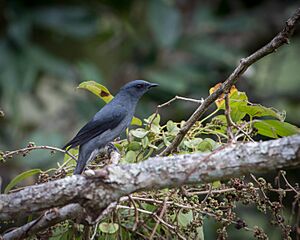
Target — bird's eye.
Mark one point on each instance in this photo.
(139, 86)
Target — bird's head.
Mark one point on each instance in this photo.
(137, 88)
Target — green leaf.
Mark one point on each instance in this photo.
(207, 145)
(20, 178)
(185, 218)
(155, 129)
(154, 119)
(257, 110)
(149, 207)
(134, 146)
(145, 142)
(139, 132)
(172, 128)
(166, 141)
(98, 89)
(109, 228)
(236, 101)
(193, 143)
(130, 157)
(236, 114)
(275, 128)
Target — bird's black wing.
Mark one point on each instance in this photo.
(103, 120)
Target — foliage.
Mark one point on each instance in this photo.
(184, 213)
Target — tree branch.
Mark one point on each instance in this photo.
(280, 39)
(89, 196)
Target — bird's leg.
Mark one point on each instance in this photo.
(107, 154)
(111, 147)
(113, 153)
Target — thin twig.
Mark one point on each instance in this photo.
(228, 119)
(136, 213)
(147, 212)
(28, 149)
(259, 185)
(162, 212)
(95, 231)
(208, 193)
(282, 173)
(180, 98)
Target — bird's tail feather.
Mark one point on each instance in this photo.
(80, 163)
(79, 169)
(85, 156)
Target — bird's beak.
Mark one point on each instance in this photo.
(152, 85)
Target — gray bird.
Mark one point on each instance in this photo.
(108, 123)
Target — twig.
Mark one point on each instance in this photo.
(28, 149)
(261, 189)
(208, 193)
(171, 227)
(95, 231)
(240, 129)
(181, 206)
(169, 102)
(228, 119)
(162, 212)
(280, 39)
(231, 123)
(180, 98)
(136, 213)
(148, 212)
(282, 173)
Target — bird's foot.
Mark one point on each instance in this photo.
(111, 147)
(113, 153)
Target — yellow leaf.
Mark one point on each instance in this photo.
(98, 89)
(136, 121)
(220, 101)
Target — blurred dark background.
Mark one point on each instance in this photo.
(48, 47)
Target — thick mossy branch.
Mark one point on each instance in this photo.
(114, 181)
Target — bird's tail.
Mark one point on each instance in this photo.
(81, 162)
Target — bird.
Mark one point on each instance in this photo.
(108, 123)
